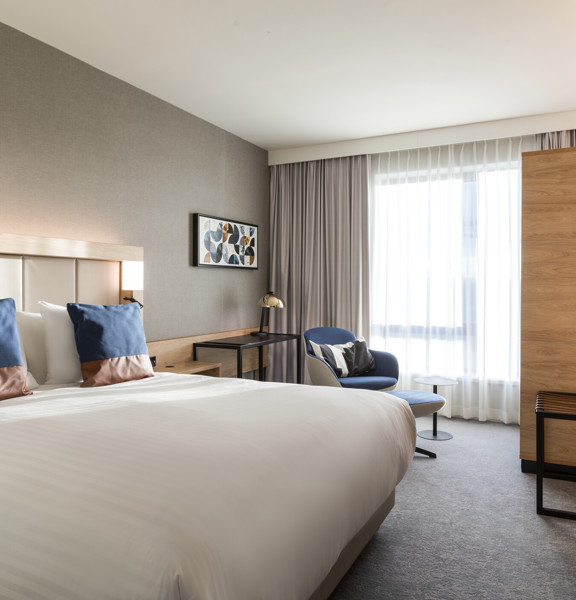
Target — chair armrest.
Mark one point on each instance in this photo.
(386, 364)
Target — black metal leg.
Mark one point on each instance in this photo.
(298, 360)
(434, 434)
(539, 463)
(435, 416)
(542, 472)
(239, 363)
(194, 352)
(425, 452)
(261, 363)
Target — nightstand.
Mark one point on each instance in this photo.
(191, 367)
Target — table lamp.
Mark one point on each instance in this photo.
(268, 301)
(132, 281)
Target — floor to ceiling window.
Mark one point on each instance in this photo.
(445, 269)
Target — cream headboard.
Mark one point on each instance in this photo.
(61, 271)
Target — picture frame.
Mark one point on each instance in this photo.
(221, 242)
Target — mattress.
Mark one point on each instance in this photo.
(190, 487)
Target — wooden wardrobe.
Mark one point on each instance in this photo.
(548, 317)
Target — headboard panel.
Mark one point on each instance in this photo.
(98, 279)
(60, 271)
(47, 278)
(11, 278)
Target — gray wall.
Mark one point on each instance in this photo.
(86, 156)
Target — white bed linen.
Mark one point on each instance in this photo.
(183, 486)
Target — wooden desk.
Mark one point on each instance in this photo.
(245, 342)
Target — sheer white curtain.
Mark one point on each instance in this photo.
(445, 270)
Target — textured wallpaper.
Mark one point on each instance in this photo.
(84, 155)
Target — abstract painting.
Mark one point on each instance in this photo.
(219, 242)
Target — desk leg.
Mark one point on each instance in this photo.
(298, 361)
(194, 352)
(239, 363)
(261, 363)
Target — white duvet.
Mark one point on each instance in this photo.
(189, 487)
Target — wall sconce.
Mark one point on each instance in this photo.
(132, 281)
(268, 301)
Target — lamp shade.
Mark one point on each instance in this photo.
(132, 275)
(270, 300)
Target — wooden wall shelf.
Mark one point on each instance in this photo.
(178, 351)
(191, 367)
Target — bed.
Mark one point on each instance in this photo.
(190, 487)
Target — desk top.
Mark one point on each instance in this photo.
(248, 341)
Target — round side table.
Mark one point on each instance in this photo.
(435, 381)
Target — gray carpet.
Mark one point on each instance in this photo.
(465, 526)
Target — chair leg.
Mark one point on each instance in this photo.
(425, 452)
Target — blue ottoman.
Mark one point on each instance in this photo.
(422, 404)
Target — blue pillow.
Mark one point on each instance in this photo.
(111, 343)
(12, 369)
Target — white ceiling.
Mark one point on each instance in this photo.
(289, 73)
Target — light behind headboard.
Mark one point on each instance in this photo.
(60, 271)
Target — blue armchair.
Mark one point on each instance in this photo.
(384, 375)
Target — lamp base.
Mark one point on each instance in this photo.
(263, 322)
(128, 296)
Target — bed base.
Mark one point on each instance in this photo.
(352, 550)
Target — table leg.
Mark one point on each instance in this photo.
(539, 463)
(298, 360)
(435, 417)
(239, 363)
(261, 363)
(434, 434)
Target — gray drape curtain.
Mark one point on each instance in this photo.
(319, 261)
(558, 139)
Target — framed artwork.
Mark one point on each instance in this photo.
(219, 242)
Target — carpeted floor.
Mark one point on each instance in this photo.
(465, 527)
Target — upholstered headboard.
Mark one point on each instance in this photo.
(60, 271)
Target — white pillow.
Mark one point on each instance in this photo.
(62, 361)
(30, 380)
(31, 331)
